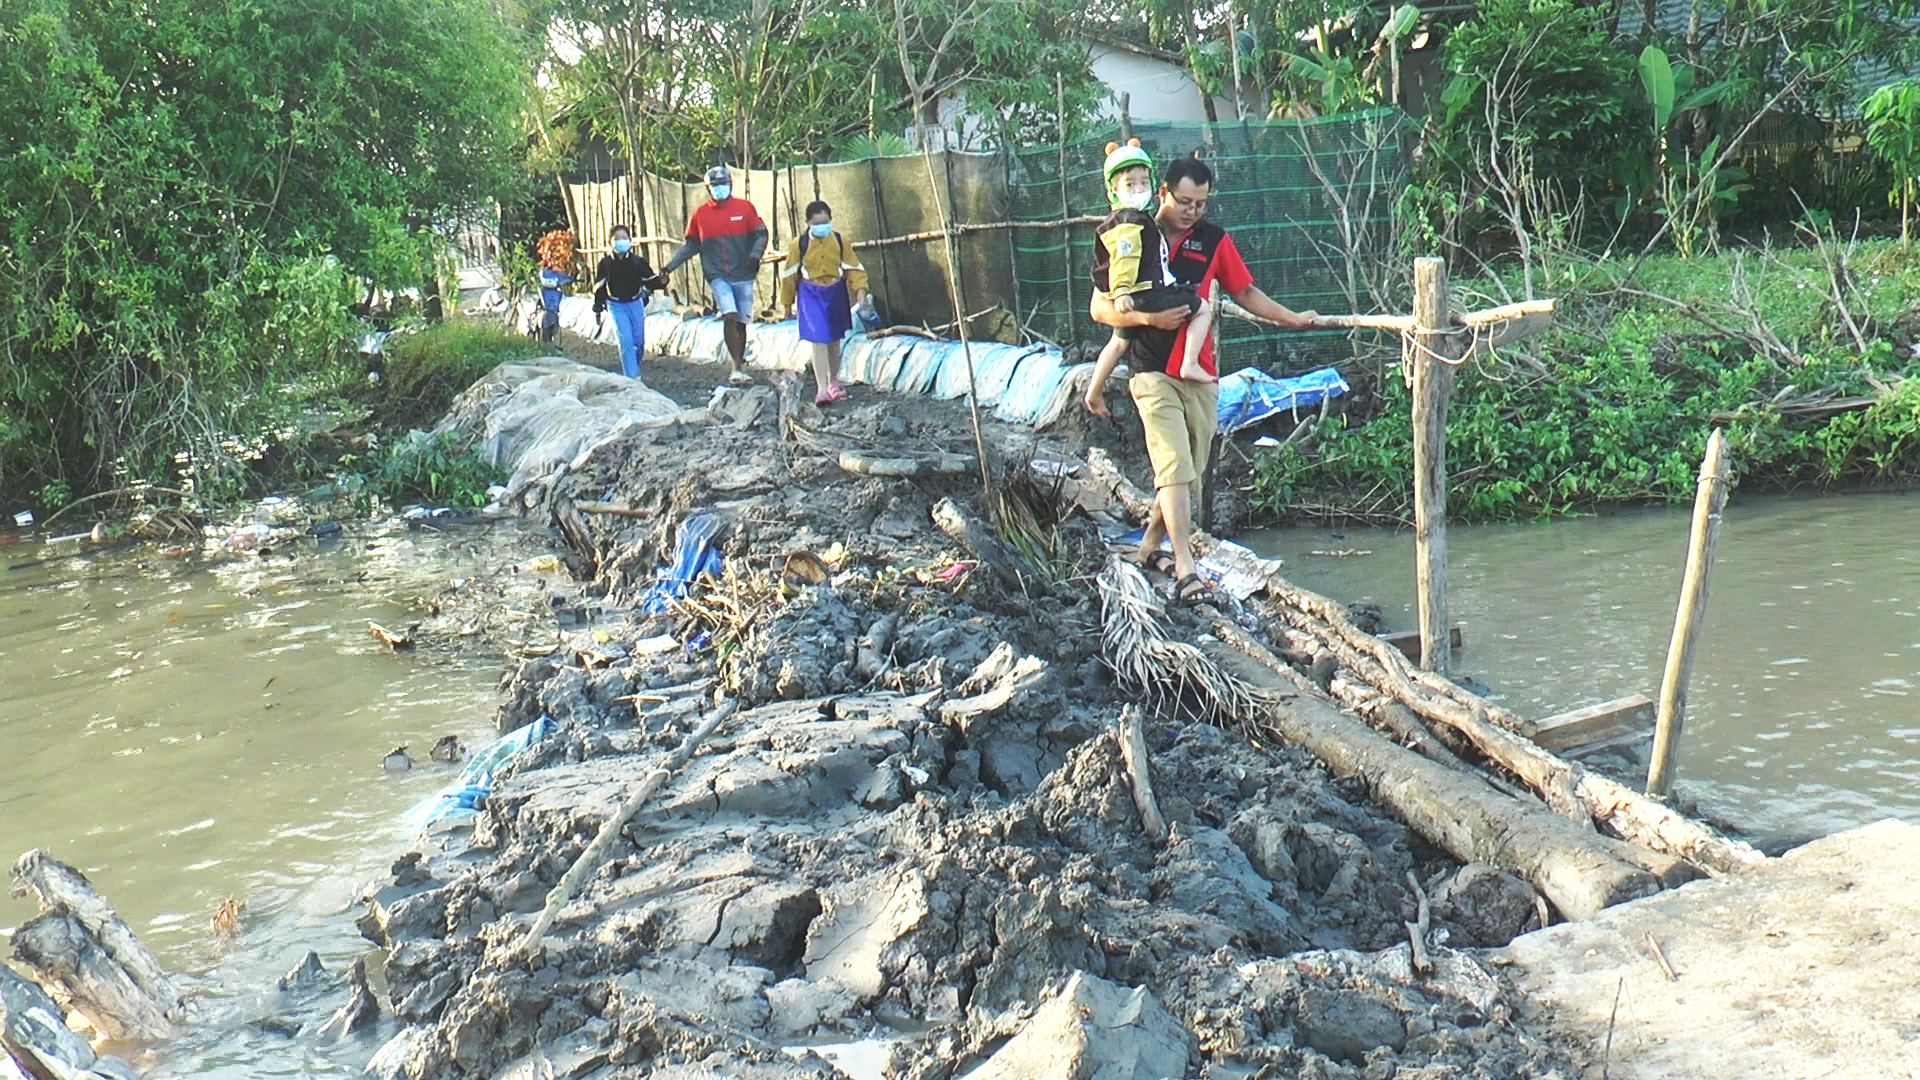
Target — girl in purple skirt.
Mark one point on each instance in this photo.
(824, 279)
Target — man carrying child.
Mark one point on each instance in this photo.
(1174, 382)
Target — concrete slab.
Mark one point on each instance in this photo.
(1800, 969)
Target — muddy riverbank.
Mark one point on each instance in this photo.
(914, 845)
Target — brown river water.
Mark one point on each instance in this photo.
(189, 730)
(185, 731)
(1804, 709)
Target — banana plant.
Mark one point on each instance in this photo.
(1892, 114)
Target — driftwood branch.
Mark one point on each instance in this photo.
(984, 545)
(1133, 752)
(1417, 929)
(596, 852)
(1497, 733)
(79, 947)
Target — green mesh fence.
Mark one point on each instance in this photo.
(1297, 196)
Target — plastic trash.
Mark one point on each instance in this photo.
(656, 644)
(466, 796)
(455, 803)
(865, 315)
(1046, 467)
(1250, 395)
(481, 767)
(250, 537)
(23, 519)
(693, 555)
(1236, 569)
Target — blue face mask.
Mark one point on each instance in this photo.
(622, 245)
(821, 230)
(722, 192)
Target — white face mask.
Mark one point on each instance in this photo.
(1138, 200)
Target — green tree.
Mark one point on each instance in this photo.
(194, 193)
(1892, 114)
(681, 84)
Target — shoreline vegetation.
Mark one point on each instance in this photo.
(1805, 356)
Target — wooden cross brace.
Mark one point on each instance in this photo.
(1488, 328)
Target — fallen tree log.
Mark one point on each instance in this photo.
(981, 542)
(1452, 808)
(79, 947)
(1613, 806)
(865, 463)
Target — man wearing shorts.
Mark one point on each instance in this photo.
(1180, 415)
(728, 235)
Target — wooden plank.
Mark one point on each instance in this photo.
(1408, 641)
(1609, 720)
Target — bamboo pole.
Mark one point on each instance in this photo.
(1066, 209)
(1708, 502)
(1432, 383)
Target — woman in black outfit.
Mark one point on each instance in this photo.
(621, 285)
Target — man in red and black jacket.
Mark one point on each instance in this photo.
(1180, 415)
(728, 235)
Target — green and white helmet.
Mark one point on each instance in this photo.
(1120, 157)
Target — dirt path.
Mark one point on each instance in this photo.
(917, 830)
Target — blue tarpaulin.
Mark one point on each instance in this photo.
(1249, 396)
(693, 555)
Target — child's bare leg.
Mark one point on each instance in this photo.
(1110, 353)
(1198, 329)
(822, 367)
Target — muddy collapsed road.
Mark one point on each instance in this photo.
(910, 847)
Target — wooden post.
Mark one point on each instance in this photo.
(1708, 501)
(1432, 384)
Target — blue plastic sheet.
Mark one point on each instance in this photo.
(693, 555)
(1032, 385)
(1249, 396)
(994, 366)
(465, 796)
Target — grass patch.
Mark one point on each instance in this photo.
(437, 470)
(426, 370)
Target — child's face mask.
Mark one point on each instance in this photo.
(1133, 190)
(821, 229)
(622, 245)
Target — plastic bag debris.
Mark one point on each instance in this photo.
(693, 555)
(466, 796)
(1250, 395)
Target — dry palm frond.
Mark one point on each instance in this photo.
(226, 918)
(731, 608)
(1174, 676)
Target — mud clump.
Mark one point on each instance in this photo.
(917, 829)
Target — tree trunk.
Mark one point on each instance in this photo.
(79, 947)
(1460, 813)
